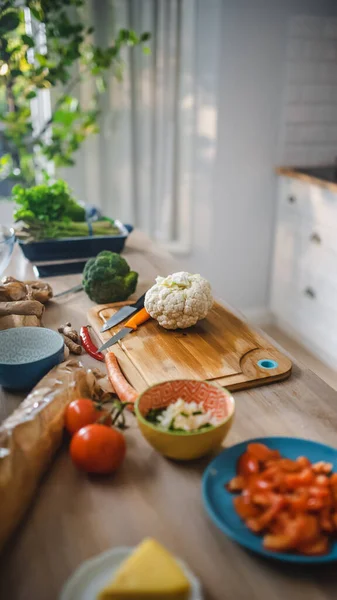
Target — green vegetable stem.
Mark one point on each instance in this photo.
(38, 231)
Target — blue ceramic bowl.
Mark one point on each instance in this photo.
(27, 354)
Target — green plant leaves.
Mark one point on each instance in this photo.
(65, 117)
(46, 203)
(37, 12)
(28, 40)
(145, 36)
(100, 85)
(5, 166)
(8, 21)
(15, 72)
(31, 95)
(68, 57)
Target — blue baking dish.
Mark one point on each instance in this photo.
(77, 247)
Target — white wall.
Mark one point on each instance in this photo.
(310, 122)
(234, 248)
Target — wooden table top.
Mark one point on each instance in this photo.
(75, 517)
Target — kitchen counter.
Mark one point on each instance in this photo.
(75, 517)
(324, 177)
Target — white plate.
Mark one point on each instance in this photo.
(92, 575)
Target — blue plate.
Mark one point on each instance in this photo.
(219, 502)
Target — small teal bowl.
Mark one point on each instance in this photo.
(27, 354)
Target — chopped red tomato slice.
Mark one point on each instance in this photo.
(262, 452)
(294, 480)
(247, 465)
(316, 547)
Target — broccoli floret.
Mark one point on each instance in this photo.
(107, 278)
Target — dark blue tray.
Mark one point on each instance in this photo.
(79, 247)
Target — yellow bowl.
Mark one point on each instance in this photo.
(183, 445)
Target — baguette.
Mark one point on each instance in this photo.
(29, 438)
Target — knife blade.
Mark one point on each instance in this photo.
(131, 325)
(123, 313)
(73, 290)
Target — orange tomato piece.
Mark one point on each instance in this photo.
(271, 470)
(261, 522)
(262, 452)
(247, 465)
(289, 466)
(236, 484)
(325, 520)
(319, 492)
(254, 525)
(294, 531)
(322, 480)
(278, 542)
(322, 467)
(262, 484)
(245, 508)
(310, 529)
(303, 462)
(298, 501)
(315, 504)
(333, 489)
(257, 483)
(262, 499)
(294, 480)
(299, 530)
(334, 520)
(316, 547)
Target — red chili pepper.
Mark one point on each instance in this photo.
(89, 345)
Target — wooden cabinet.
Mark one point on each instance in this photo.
(304, 279)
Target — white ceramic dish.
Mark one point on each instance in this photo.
(92, 575)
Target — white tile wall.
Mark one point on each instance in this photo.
(310, 115)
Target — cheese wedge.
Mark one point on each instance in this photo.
(150, 573)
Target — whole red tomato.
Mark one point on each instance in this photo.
(82, 412)
(98, 449)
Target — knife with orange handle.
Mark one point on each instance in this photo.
(131, 325)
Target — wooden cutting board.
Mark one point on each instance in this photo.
(220, 348)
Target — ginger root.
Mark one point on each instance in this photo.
(24, 307)
(39, 290)
(73, 347)
(13, 289)
(70, 332)
(22, 299)
(71, 338)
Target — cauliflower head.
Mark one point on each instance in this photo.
(179, 300)
(107, 278)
